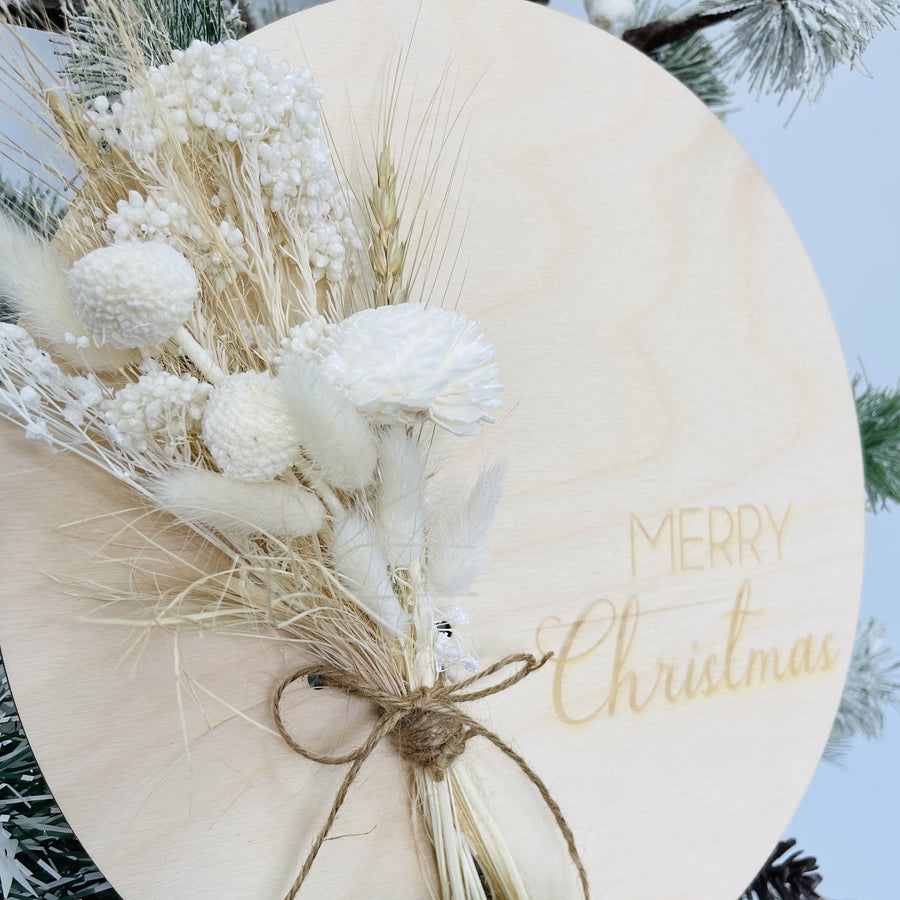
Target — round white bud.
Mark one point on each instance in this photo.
(133, 294)
(247, 430)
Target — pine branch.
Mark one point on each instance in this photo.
(781, 46)
(35, 206)
(873, 683)
(878, 414)
(37, 847)
(44, 15)
(653, 35)
(693, 60)
(795, 878)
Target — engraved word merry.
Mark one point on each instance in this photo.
(695, 538)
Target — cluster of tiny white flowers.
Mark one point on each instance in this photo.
(153, 218)
(232, 94)
(147, 219)
(311, 340)
(34, 390)
(448, 654)
(159, 408)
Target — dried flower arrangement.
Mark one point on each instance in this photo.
(225, 326)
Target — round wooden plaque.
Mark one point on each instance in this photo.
(682, 521)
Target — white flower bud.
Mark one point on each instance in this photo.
(133, 295)
(247, 430)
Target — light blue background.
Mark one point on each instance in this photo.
(835, 169)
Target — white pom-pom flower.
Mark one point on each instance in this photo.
(406, 363)
(247, 430)
(133, 295)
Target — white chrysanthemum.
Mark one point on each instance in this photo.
(406, 363)
(247, 430)
(614, 16)
(133, 295)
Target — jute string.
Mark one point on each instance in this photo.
(430, 731)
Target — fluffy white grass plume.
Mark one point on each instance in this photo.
(457, 534)
(200, 497)
(33, 281)
(400, 501)
(334, 436)
(363, 569)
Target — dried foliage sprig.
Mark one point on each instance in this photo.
(224, 327)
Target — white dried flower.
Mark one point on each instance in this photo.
(159, 407)
(51, 404)
(232, 99)
(247, 429)
(146, 218)
(614, 16)
(34, 285)
(407, 363)
(133, 295)
(449, 655)
(155, 218)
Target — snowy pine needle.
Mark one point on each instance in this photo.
(781, 46)
(873, 683)
(39, 854)
(878, 413)
(693, 60)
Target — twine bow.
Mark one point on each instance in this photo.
(430, 731)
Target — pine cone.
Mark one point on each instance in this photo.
(795, 878)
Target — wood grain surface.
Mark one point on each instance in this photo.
(682, 521)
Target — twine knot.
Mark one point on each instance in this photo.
(430, 731)
(431, 738)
